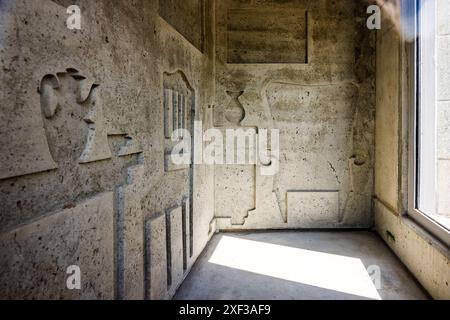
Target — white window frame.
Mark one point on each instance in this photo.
(420, 70)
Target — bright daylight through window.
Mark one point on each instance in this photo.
(431, 153)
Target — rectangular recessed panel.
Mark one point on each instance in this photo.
(187, 233)
(175, 218)
(267, 36)
(34, 257)
(186, 17)
(313, 209)
(156, 258)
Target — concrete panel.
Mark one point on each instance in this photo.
(324, 108)
(387, 115)
(156, 258)
(130, 236)
(427, 259)
(186, 17)
(312, 209)
(34, 258)
(175, 250)
(267, 35)
(424, 256)
(187, 235)
(24, 152)
(67, 140)
(230, 181)
(317, 123)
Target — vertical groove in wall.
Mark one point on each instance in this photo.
(202, 8)
(175, 110)
(306, 38)
(285, 211)
(255, 172)
(118, 237)
(168, 249)
(147, 260)
(184, 233)
(180, 111)
(191, 179)
(167, 107)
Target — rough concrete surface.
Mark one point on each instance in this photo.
(83, 114)
(34, 257)
(306, 68)
(222, 272)
(86, 124)
(424, 255)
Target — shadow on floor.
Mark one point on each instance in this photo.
(298, 265)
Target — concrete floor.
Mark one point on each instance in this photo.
(299, 265)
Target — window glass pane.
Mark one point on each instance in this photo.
(433, 131)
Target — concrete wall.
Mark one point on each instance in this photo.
(424, 256)
(83, 179)
(306, 68)
(85, 126)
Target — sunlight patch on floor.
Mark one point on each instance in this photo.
(314, 268)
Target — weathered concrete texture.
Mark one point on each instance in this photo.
(312, 209)
(49, 50)
(35, 257)
(187, 17)
(237, 180)
(324, 265)
(168, 257)
(85, 132)
(156, 258)
(311, 75)
(317, 153)
(387, 115)
(83, 114)
(425, 257)
(267, 35)
(129, 232)
(176, 270)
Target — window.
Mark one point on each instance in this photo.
(430, 131)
